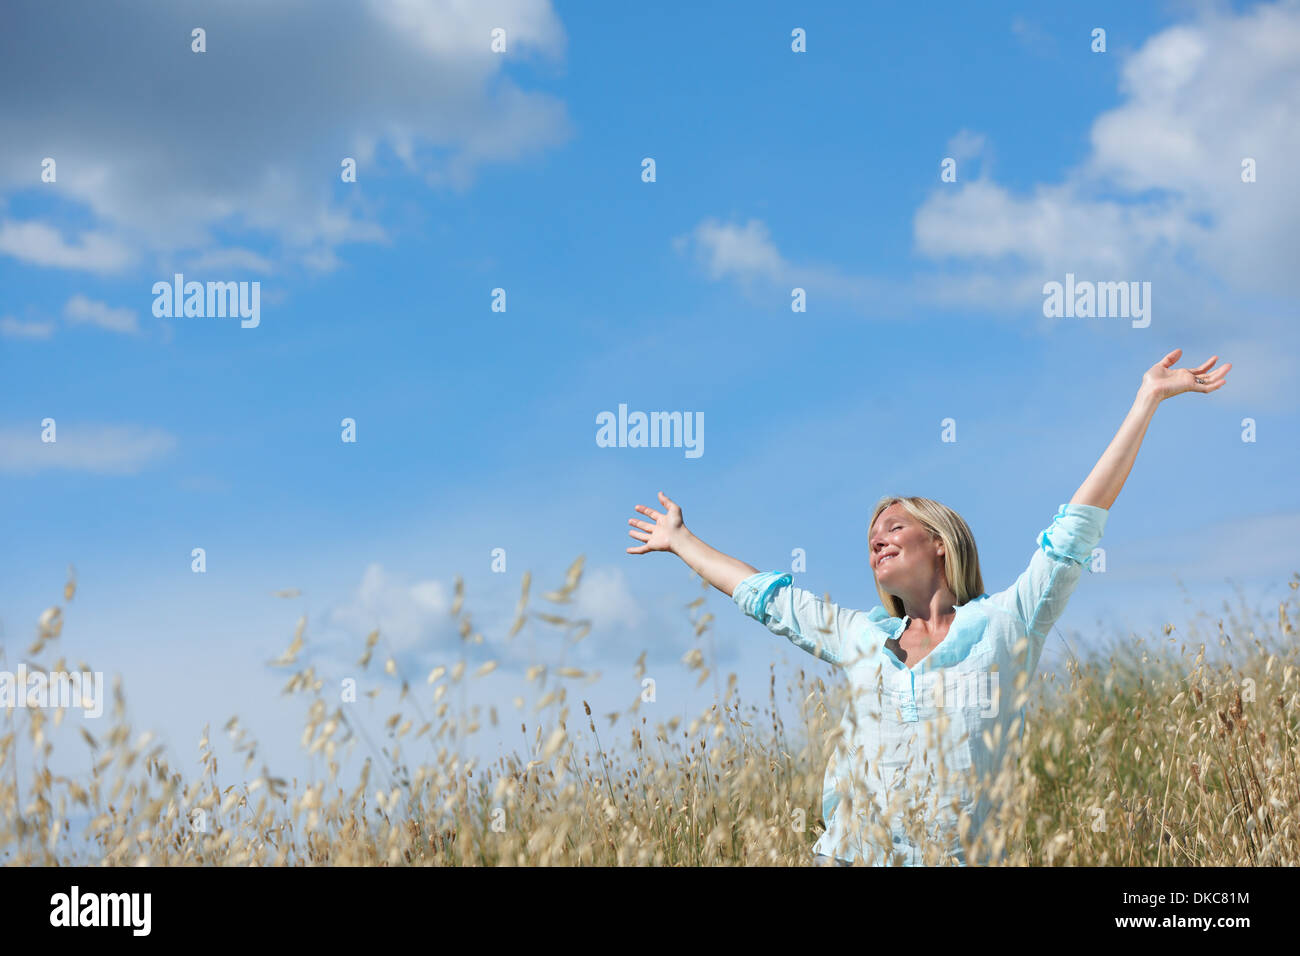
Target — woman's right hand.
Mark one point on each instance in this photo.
(668, 533)
(663, 534)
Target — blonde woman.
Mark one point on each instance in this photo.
(933, 669)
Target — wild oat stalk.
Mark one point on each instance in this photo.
(1175, 752)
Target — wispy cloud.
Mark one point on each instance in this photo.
(967, 144)
(1033, 37)
(12, 328)
(81, 310)
(234, 258)
(40, 244)
(101, 449)
(748, 256)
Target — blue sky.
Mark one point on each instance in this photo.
(522, 170)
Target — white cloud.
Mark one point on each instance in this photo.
(12, 328)
(82, 310)
(744, 253)
(101, 449)
(410, 616)
(605, 599)
(1160, 197)
(248, 137)
(967, 144)
(747, 255)
(441, 28)
(219, 259)
(1052, 227)
(39, 244)
(417, 628)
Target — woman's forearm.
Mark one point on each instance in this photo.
(1103, 484)
(721, 570)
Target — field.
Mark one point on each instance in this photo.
(1177, 750)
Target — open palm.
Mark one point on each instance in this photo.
(1162, 381)
(660, 535)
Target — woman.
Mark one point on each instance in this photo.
(933, 670)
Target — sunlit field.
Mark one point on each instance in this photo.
(1177, 749)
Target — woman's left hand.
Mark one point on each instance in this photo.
(1161, 381)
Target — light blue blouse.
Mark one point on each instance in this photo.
(896, 753)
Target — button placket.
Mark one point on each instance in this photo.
(906, 698)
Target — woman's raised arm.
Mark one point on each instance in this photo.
(813, 625)
(1103, 484)
(669, 533)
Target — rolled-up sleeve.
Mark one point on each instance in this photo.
(1039, 596)
(753, 593)
(811, 624)
(1074, 532)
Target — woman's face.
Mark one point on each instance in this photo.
(900, 547)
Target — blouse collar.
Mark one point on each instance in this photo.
(964, 633)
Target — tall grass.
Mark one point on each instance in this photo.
(1181, 753)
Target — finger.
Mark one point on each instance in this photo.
(639, 535)
(649, 511)
(640, 550)
(1206, 365)
(1210, 381)
(641, 524)
(1171, 358)
(667, 502)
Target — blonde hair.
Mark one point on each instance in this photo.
(961, 562)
